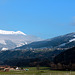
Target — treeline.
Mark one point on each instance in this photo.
(65, 60)
(27, 57)
(27, 62)
(65, 67)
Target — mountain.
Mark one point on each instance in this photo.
(12, 39)
(11, 32)
(64, 41)
(66, 57)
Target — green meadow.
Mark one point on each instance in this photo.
(41, 71)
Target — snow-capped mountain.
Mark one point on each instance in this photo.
(64, 41)
(12, 39)
(11, 32)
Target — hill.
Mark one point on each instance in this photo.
(66, 57)
(64, 41)
(27, 57)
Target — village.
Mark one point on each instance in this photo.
(5, 68)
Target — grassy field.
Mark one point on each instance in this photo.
(42, 71)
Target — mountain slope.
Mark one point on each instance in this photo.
(66, 57)
(14, 57)
(64, 41)
(11, 39)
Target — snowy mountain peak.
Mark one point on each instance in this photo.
(11, 32)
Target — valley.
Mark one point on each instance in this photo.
(43, 53)
(37, 37)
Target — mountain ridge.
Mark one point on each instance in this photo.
(12, 39)
(63, 41)
(11, 32)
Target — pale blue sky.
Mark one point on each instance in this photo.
(42, 18)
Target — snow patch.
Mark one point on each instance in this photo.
(3, 42)
(21, 44)
(62, 44)
(11, 32)
(74, 36)
(72, 40)
(4, 49)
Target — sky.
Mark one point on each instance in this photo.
(41, 18)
